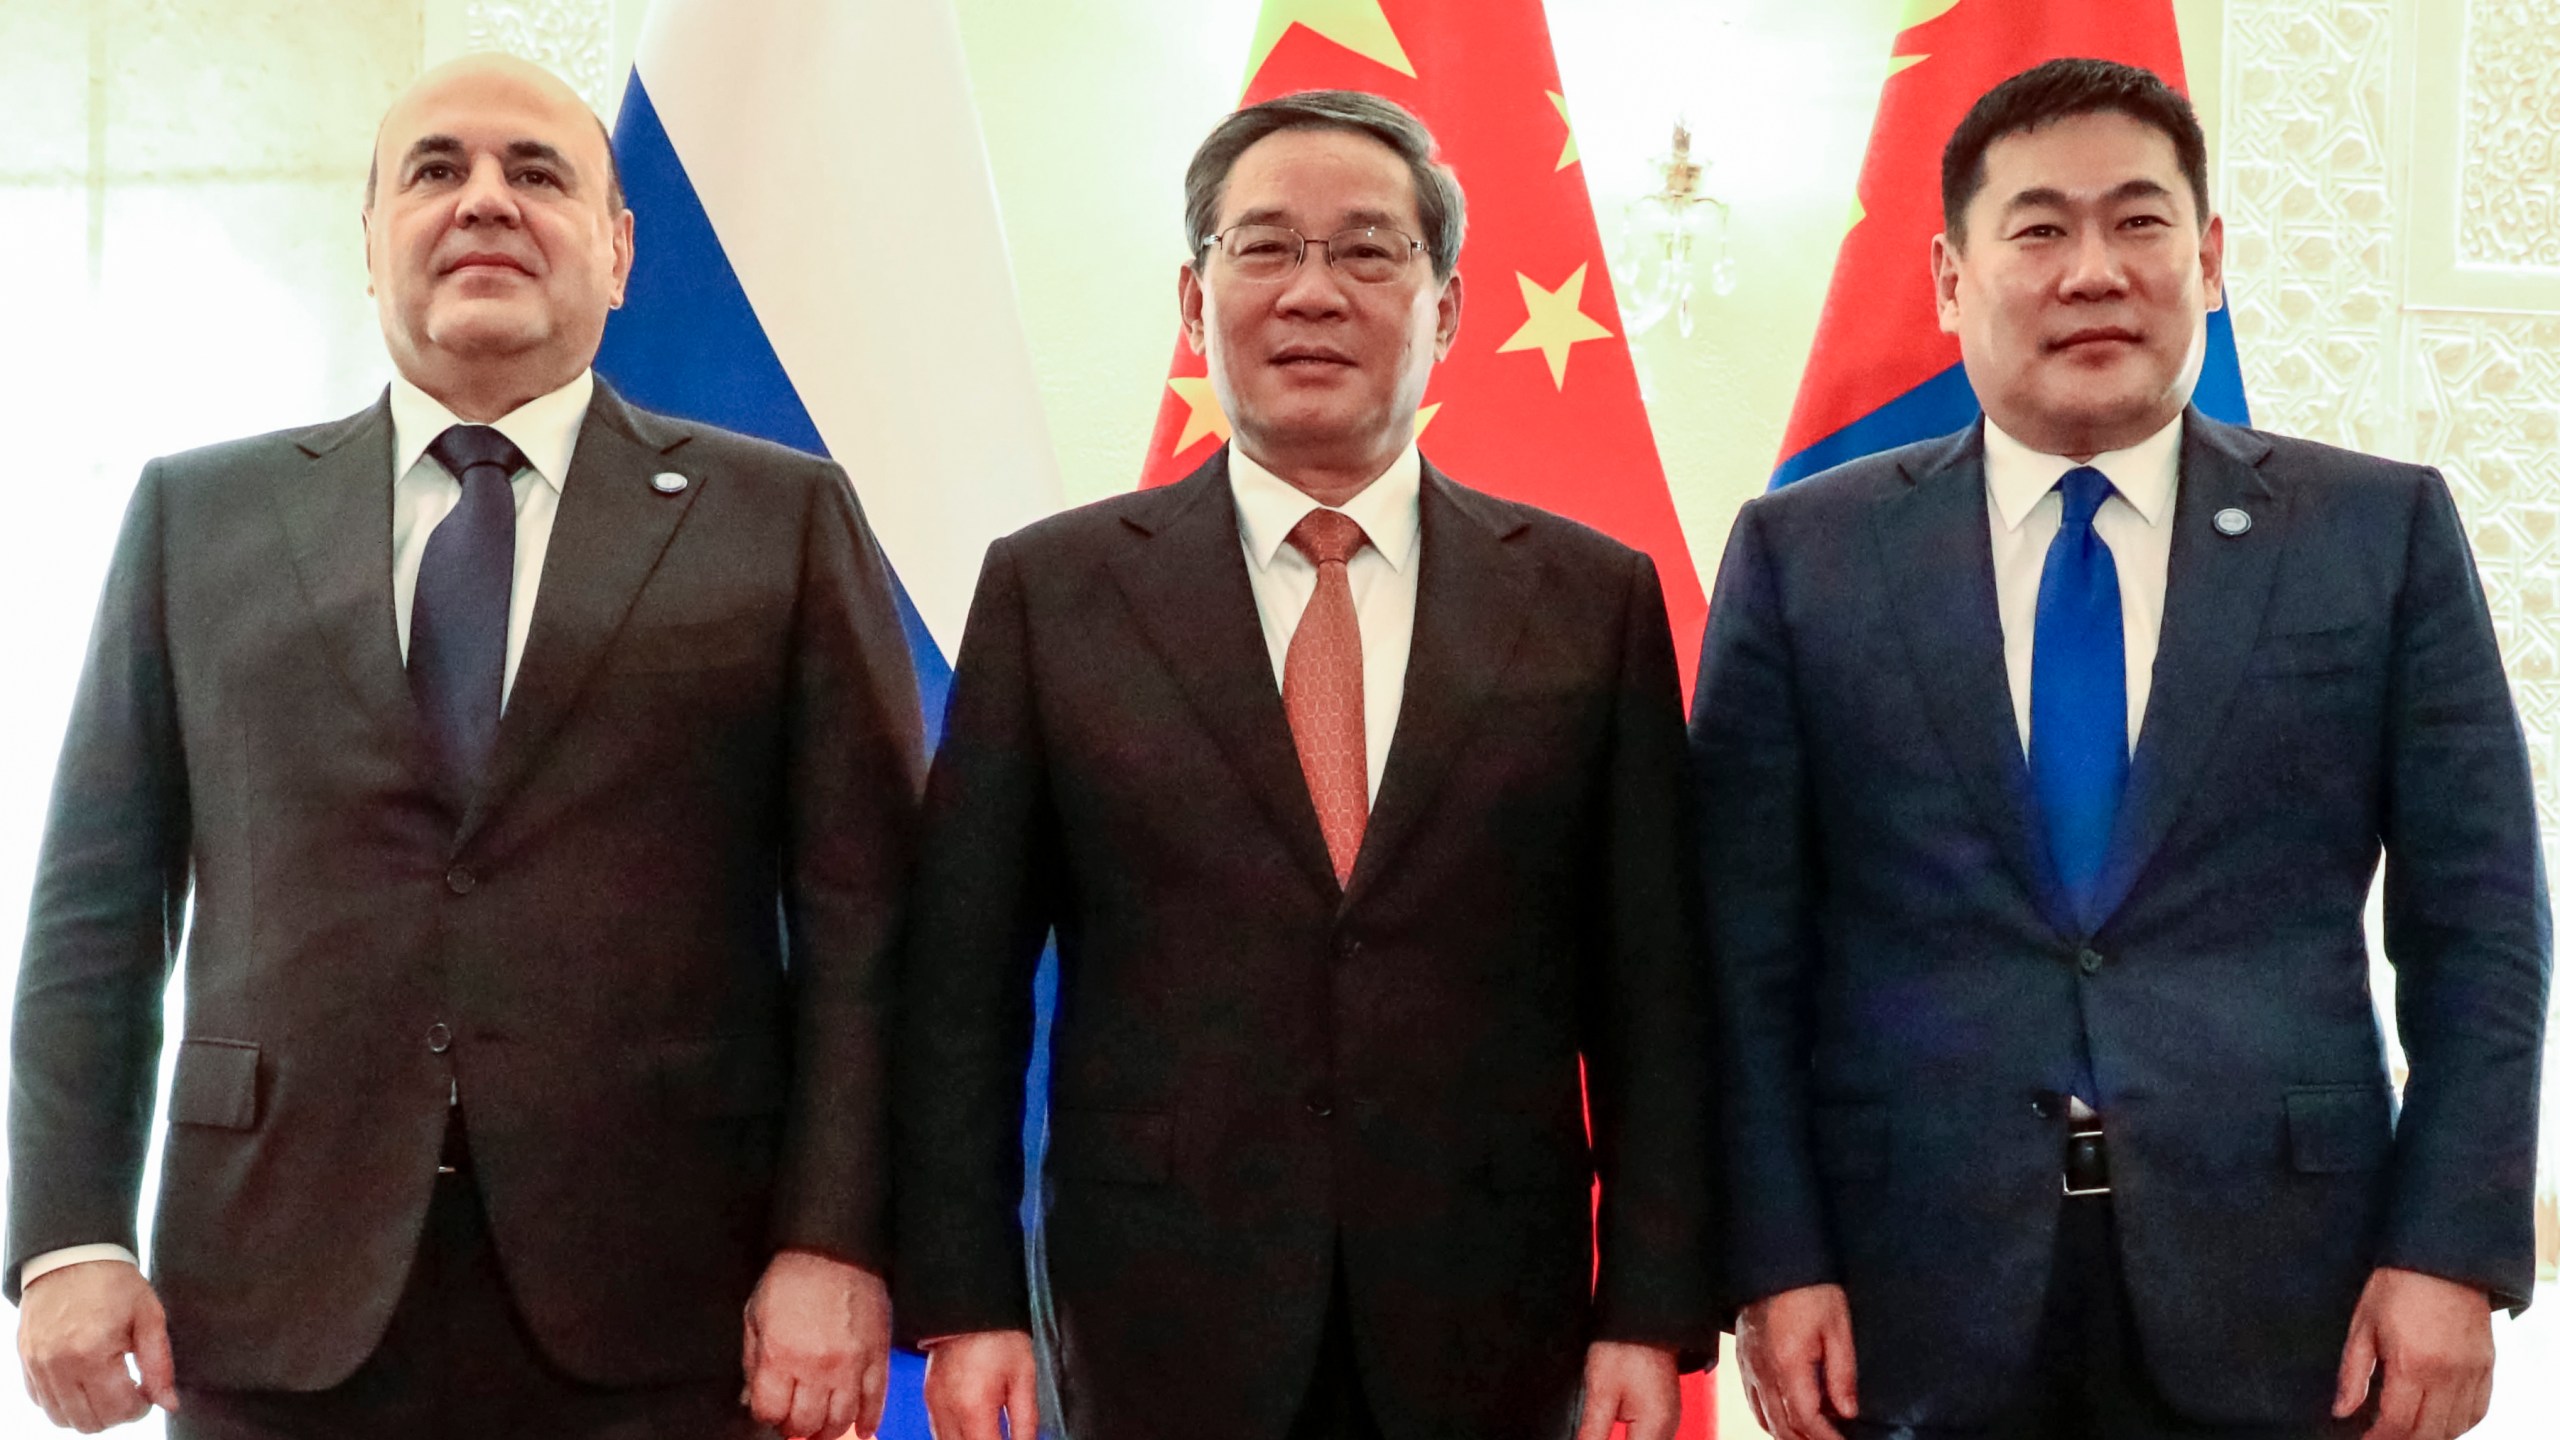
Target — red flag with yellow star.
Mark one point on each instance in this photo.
(1537, 402)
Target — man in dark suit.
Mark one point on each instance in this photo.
(541, 774)
(1354, 799)
(2045, 769)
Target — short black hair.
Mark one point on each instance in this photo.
(613, 198)
(1437, 200)
(2060, 90)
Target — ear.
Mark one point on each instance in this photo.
(623, 227)
(1189, 295)
(1946, 268)
(1453, 299)
(2210, 259)
(364, 222)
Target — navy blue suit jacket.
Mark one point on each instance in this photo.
(1904, 1002)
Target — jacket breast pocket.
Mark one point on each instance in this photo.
(2312, 652)
(216, 1084)
(674, 647)
(1113, 1147)
(2337, 1129)
(1851, 1141)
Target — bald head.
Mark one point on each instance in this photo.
(495, 234)
(524, 71)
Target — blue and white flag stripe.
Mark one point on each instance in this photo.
(821, 261)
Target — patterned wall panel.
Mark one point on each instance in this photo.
(2307, 202)
(573, 38)
(2511, 134)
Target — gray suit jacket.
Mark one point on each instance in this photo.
(650, 950)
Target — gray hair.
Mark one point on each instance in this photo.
(1441, 205)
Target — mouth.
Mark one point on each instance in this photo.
(2096, 335)
(1310, 358)
(483, 263)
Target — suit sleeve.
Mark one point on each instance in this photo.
(1648, 1061)
(1757, 844)
(104, 926)
(983, 909)
(854, 753)
(2466, 924)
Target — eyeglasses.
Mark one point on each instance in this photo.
(1370, 254)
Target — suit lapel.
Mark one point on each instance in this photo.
(1184, 578)
(611, 528)
(2218, 588)
(337, 522)
(1933, 544)
(1472, 597)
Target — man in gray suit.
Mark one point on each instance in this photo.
(541, 775)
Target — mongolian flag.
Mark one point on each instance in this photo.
(1881, 374)
(1538, 401)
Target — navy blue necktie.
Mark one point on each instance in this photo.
(2076, 744)
(458, 615)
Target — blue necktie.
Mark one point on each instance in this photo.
(2076, 747)
(458, 615)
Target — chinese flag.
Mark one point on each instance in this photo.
(1538, 401)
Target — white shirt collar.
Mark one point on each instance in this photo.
(545, 427)
(2144, 473)
(1389, 510)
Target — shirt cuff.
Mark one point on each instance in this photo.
(52, 1260)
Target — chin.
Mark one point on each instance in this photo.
(474, 330)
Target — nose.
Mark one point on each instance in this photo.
(485, 197)
(2093, 270)
(1312, 288)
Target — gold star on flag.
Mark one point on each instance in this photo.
(1359, 26)
(1207, 417)
(1556, 323)
(1422, 419)
(1572, 147)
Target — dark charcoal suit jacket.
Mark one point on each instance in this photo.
(651, 951)
(1902, 1001)
(1260, 1074)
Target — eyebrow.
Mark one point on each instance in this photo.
(2046, 197)
(1353, 220)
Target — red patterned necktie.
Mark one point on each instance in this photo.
(1320, 686)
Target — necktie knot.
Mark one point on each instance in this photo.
(462, 449)
(1328, 537)
(2083, 491)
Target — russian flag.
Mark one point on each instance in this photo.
(821, 263)
(1881, 374)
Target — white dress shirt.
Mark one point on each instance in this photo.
(423, 492)
(2026, 513)
(1383, 577)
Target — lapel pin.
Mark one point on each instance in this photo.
(668, 482)
(2229, 522)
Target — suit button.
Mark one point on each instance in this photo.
(1347, 948)
(1320, 1106)
(439, 1037)
(460, 880)
(2091, 962)
(2046, 1104)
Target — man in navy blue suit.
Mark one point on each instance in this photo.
(2045, 769)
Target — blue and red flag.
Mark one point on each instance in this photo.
(1881, 373)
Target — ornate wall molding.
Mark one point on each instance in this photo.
(2510, 189)
(573, 38)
